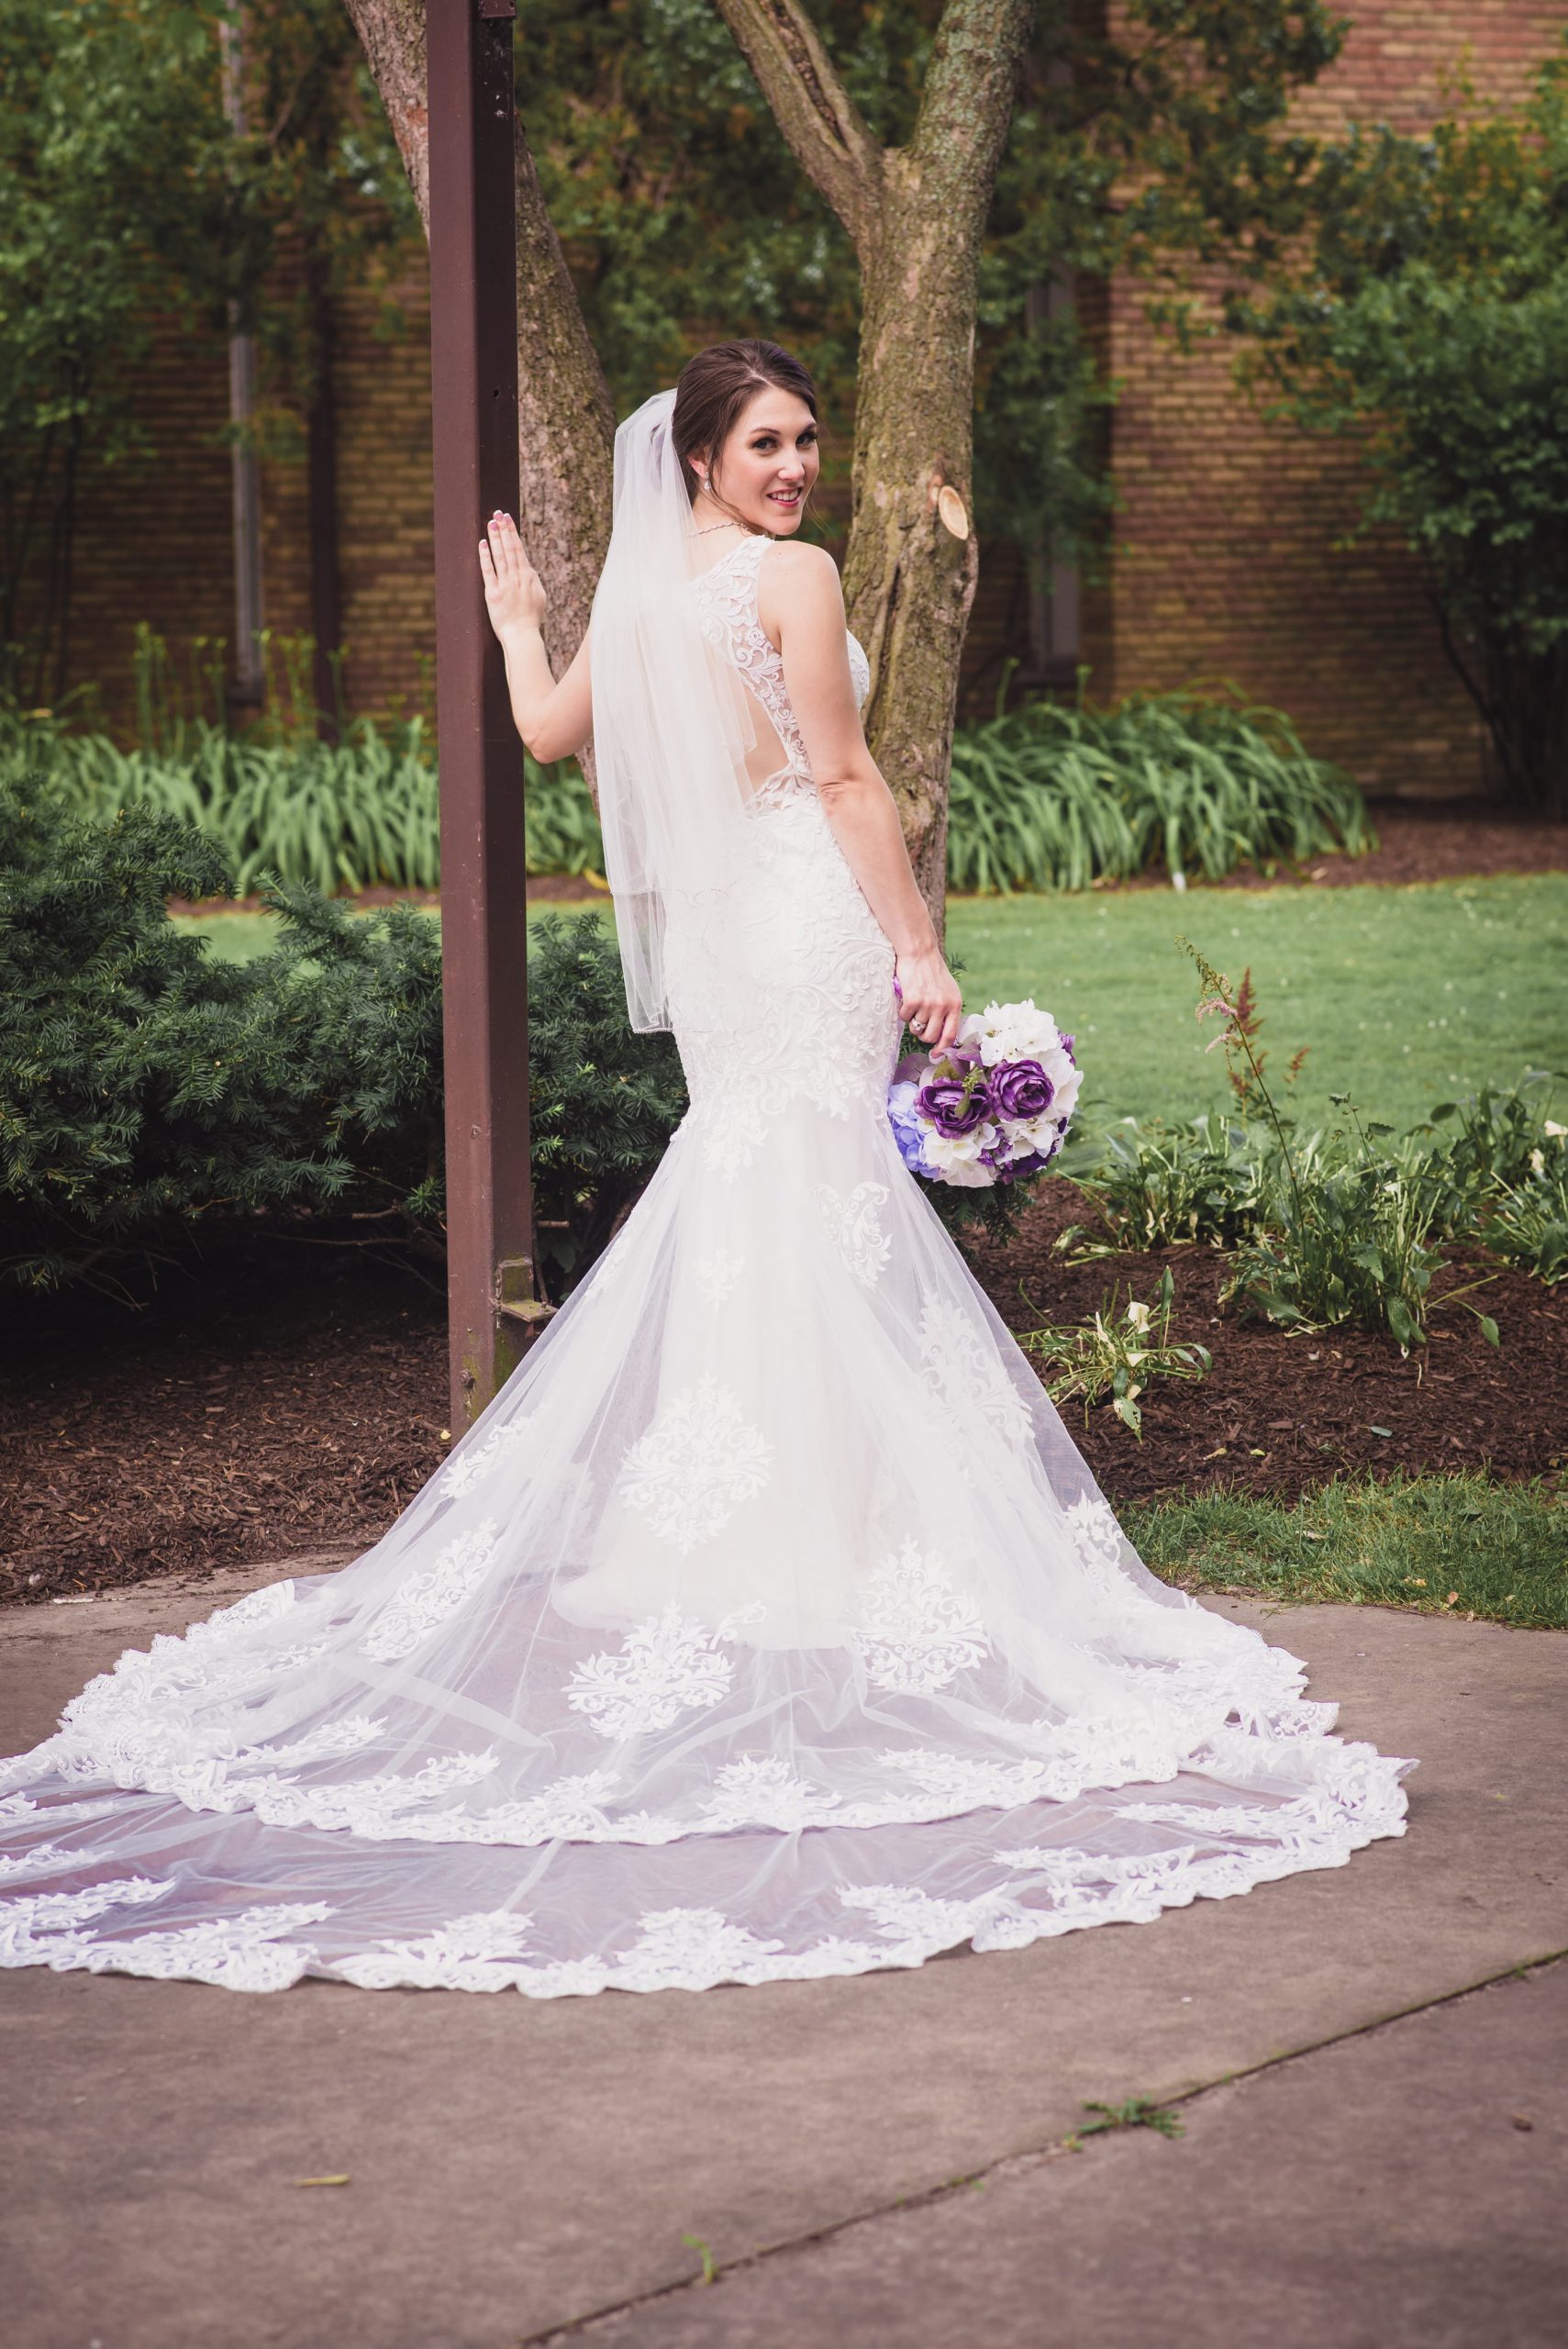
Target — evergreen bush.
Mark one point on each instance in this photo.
(604, 1100)
(150, 1094)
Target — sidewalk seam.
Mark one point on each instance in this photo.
(1031, 2155)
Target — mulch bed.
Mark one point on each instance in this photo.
(278, 1407)
(1280, 1413)
(1418, 839)
(270, 1407)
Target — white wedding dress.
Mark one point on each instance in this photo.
(768, 1624)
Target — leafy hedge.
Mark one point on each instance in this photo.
(149, 1093)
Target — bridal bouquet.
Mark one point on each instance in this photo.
(994, 1107)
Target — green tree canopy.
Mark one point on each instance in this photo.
(1426, 315)
(685, 216)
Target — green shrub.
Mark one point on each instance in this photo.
(1424, 317)
(1488, 1144)
(140, 1085)
(1529, 1225)
(1116, 1353)
(1330, 1226)
(1342, 1235)
(604, 1100)
(147, 1090)
(1344, 1229)
(150, 1094)
(1055, 797)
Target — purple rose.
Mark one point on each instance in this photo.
(953, 1106)
(1021, 1089)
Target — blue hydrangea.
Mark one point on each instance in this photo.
(908, 1129)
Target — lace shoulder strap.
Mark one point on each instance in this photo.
(727, 605)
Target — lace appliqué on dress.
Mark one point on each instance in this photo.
(433, 1595)
(965, 1372)
(716, 1274)
(668, 1665)
(696, 1464)
(852, 1219)
(914, 1631)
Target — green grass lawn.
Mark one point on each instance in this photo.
(1406, 996)
(1444, 1546)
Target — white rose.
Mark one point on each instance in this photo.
(1067, 1077)
(1012, 1032)
(1032, 1134)
(956, 1157)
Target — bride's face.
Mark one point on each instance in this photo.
(768, 465)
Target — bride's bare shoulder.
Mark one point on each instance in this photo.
(799, 579)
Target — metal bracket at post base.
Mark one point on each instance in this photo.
(515, 1298)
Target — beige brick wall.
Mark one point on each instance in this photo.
(1229, 553)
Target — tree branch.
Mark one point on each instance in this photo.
(800, 84)
(961, 130)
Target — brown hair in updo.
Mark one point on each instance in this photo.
(716, 384)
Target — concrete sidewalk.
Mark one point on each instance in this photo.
(1406, 2186)
(516, 2169)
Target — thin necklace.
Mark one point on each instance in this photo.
(706, 529)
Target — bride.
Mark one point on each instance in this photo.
(768, 1623)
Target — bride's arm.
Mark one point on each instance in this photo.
(554, 719)
(801, 606)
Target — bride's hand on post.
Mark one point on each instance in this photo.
(930, 997)
(513, 593)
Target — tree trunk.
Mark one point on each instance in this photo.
(917, 215)
(566, 426)
(565, 418)
(913, 561)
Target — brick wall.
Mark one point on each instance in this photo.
(1228, 555)
(155, 534)
(155, 537)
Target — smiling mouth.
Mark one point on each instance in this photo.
(784, 496)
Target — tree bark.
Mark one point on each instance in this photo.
(917, 215)
(566, 426)
(566, 418)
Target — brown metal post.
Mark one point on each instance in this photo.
(473, 351)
